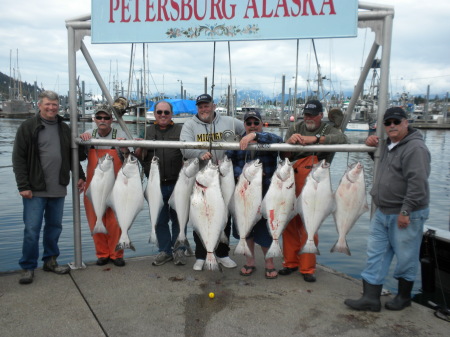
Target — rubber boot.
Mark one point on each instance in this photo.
(403, 298)
(370, 300)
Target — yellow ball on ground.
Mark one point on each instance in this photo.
(211, 295)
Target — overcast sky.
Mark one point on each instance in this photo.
(420, 54)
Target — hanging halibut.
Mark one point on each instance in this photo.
(278, 205)
(154, 197)
(100, 188)
(315, 203)
(246, 206)
(179, 200)
(127, 199)
(207, 212)
(351, 203)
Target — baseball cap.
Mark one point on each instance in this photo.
(204, 98)
(253, 114)
(395, 113)
(104, 108)
(313, 107)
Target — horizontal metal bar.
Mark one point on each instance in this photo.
(227, 145)
(376, 15)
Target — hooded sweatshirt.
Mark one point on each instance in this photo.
(401, 183)
(195, 130)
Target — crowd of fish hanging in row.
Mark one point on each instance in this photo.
(203, 198)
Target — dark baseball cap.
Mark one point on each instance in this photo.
(395, 113)
(204, 98)
(313, 107)
(252, 114)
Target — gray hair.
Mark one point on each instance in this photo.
(170, 104)
(50, 95)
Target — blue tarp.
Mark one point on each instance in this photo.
(181, 106)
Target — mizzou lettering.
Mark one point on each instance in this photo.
(205, 137)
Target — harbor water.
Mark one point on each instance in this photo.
(11, 224)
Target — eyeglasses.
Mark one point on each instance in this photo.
(395, 121)
(106, 118)
(249, 123)
(160, 112)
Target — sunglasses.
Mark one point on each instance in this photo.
(106, 118)
(249, 123)
(160, 112)
(395, 121)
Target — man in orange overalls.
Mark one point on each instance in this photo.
(105, 244)
(308, 132)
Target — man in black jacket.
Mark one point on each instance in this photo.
(170, 163)
(41, 162)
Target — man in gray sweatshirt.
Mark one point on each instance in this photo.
(207, 126)
(401, 193)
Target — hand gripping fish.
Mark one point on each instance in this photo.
(278, 205)
(154, 197)
(127, 199)
(99, 189)
(246, 206)
(315, 203)
(179, 200)
(351, 203)
(207, 212)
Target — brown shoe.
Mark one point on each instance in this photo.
(52, 265)
(26, 277)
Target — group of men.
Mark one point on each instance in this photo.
(42, 164)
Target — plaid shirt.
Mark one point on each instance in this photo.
(267, 158)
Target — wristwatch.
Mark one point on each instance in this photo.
(318, 138)
(256, 136)
(404, 213)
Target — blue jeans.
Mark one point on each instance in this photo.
(166, 240)
(386, 239)
(34, 211)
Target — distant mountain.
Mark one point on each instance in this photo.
(27, 89)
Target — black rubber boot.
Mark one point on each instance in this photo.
(370, 301)
(403, 298)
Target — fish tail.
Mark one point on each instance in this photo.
(274, 250)
(341, 248)
(211, 262)
(310, 247)
(242, 248)
(99, 227)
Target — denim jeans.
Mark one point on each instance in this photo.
(34, 211)
(166, 240)
(386, 239)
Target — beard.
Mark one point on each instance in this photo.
(310, 125)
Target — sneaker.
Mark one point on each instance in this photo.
(198, 265)
(26, 277)
(179, 259)
(101, 261)
(162, 258)
(119, 262)
(226, 262)
(52, 265)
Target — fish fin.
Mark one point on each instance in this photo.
(341, 248)
(223, 238)
(242, 248)
(132, 247)
(99, 227)
(274, 250)
(171, 201)
(211, 262)
(310, 247)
